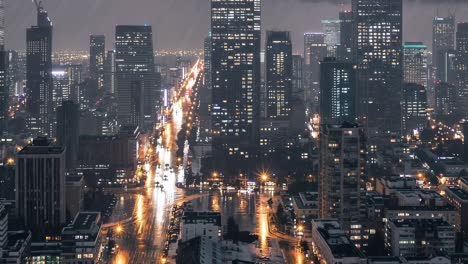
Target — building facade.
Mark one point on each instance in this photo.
(380, 66)
(40, 183)
(235, 59)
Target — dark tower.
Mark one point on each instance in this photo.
(39, 71)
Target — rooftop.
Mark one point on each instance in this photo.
(41, 145)
(85, 220)
(339, 244)
(461, 194)
(206, 217)
(420, 223)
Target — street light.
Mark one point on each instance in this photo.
(119, 229)
(264, 177)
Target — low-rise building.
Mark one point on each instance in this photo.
(459, 198)
(206, 224)
(330, 244)
(419, 237)
(306, 205)
(390, 184)
(420, 204)
(81, 240)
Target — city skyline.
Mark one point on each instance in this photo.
(75, 21)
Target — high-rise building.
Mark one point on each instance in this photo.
(278, 74)
(413, 107)
(331, 29)
(445, 98)
(68, 129)
(135, 63)
(415, 63)
(39, 71)
(235, 59)
(40, 184)
(66, 84)
(109, 72)
(337, 91)
(97, 60)
(345, 50)
(4, 87)
(4, 91)
(342, 166)
(443, 40)
(206, 95)
(462, 52)
(378, 31)
(297, 86)
(316, 51)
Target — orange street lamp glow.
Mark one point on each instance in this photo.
(119, 229)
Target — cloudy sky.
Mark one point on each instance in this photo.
(181, 24)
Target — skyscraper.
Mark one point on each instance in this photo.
(337, 92)
(4, 87)
(235, 57)
(414, 107)
(68, 129)
(345, 50)
(135, 63)
(316, 50)
(297, 78)
(331, 29)
(278, 74)
(109, 72)
(97, 58)
(39, 71)
(446, 95)
(462, 54)
(443, 40)
(378, 31)
(342, 164)
(40, 184)
(415, 63)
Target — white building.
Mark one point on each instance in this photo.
(419, 237)
(330, 244)
(206, 224)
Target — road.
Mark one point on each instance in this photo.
(142, 239)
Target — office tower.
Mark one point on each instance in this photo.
(413, 107)
(317, 51)
(345, 50)
(311, 38)
(4, 92)
(415, 63)
(68, 128)
(97, 58)
(342, 164)
(337, 91)
(109, 72)
(135, 64)
(462, 52)
(278, 74)
(206, 95)
(445, 98)
(61, 86)
(75, 79)
(331, 29)
(40, 183)
(297, 78)
(4, 87)
(235, 75)
(2, 24)
(378, 31)
(66, 84)
(3, 226)
(443, 40)
(39, 71)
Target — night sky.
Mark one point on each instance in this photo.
(182, 24)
